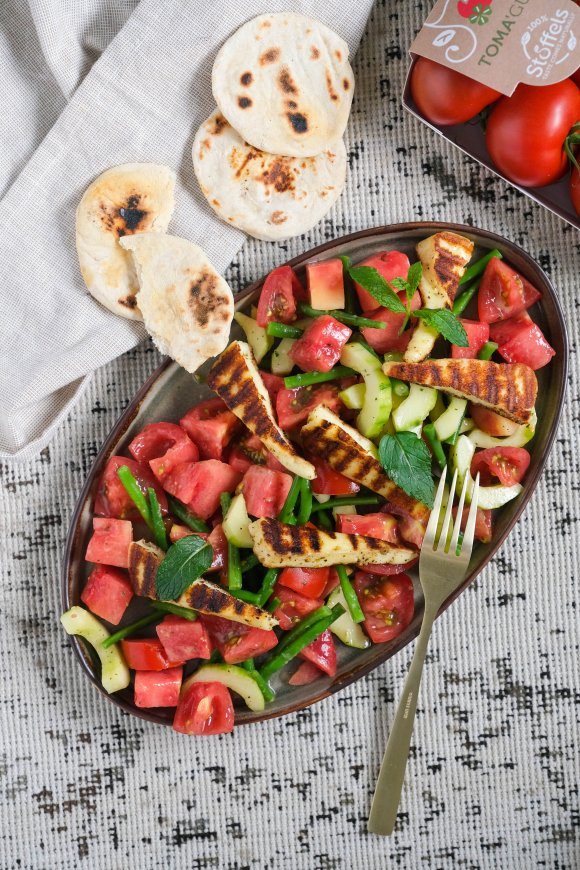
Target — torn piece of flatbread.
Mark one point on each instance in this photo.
(124, 200)
(267, 196)
(284, 82)
(186, 305)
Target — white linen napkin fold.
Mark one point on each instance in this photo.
(142, 100)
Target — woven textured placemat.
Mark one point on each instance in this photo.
(492, 778)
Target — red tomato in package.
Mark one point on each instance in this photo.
(110, 542)
(112, 499)
(381, 526)
(508, 464)
(575, 188)
(477, 335)
(184, 639)
(158, 688)
(304, 674)
(503, 292)
(445, 96)
(383, 340)
(310, 582)
(390, 264)
(525, 133)
(210, 425)
(326, 284)
(293, 606)
(293, 406)
(387, 603)
(204, 708)
(237, 642)
(319, 347)
(278, 297)
(107, 592)
(265, 491)
(322, 653)
(146, 654)
(331, 482)
(528, 345)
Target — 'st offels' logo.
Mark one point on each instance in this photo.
(548, 42)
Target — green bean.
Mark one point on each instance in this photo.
(130, 629)
(341, 501)
(343, 317)
(323, 519)
(349, 299)
(400, 388)
(182, 513)
(291, 500)
(283, 330)
(488, 350)
(321, 612)
(299, 641)
(225, 502)
(267, 586)
(463, 300)
(308, 378)
(159, 530)
(435, 444)
(249, 562)
(175, 609)
(244, 595)
(134, 492)
(479, 266)
(273, 605)
(234, 569)
(350, 595)
(305, 509)
(268, 693)
(248, 665)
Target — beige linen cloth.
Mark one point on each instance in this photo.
(86, 85)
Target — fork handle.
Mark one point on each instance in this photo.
(387, 794)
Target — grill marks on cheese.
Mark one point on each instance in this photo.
(234, 376)
(279, 545)
(509, 390)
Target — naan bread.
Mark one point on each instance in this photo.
(268, 196)
(284, 82)
(127, 199)
(186, 305)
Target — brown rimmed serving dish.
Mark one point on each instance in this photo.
(170, 391)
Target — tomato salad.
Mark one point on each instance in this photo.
(257, 553)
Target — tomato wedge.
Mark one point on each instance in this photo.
(293, 606)
(477, 335)
(483, 523)
(265, 491)
(529, 346)
(389, 338)
(277, 297)
(331, 482)
(503, 292)
(318, 348)
(503, 330)
(110, 542)
(158, 688)
(156, 439)
(322, 653)
(310, 582)
(237, 642)
(146, 654)
(387, 603)
(381, 526)
(508, 464)
(490, 422)
(204, 708)
(210, 425)
(107, 592)
(293, 406)
(304, 674)
(112, 499)
(183, 639)
(326, 284)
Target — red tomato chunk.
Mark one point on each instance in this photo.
(383, 340)
(305, 673)
(277, 297)
(528, 346)
(320, 346)
(310, 582)
(112, 499)
(210, 425)
(110, 542)
(326, 284)
(483, 523)
(390, 264)
(504, 330)
(294, 406)
(183, 639)
(331, 482)
(265, 491)
(381, 526)
(157, 439)
(200, 484)
(387, 603)
(322, 653)
(158, 688)
(477, 335)
(146, 654)
(273, 384)
(293, 606)
(204, 708)
(503, 292)
(508, 464)
(237, 642)
(107, 593)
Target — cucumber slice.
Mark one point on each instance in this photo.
(357, 357)
(282, 363)
(521, 436)
(235, 678)
(490, 497)
(450, 420)
(236, 523)
(437, 409)
(345, 628)
(114, 672)
(257, 337)
(413, 410)
(353, 397)
(343, 509)
(320, 497)
(377, 404)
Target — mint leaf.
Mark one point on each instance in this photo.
(374, 283)
(184, 563)
(345, 262)
(445, 322)
(406, 460)
(414, 276)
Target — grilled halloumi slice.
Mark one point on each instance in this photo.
(444, 257)
(203, 595)
(279, 545)
(234, 376)
(347, 451)
(509, 390)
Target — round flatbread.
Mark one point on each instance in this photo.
(124, 200)
(284, 82)
(186, 305)
(265, 195)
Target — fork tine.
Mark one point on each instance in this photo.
(468, 535)
(431, 531)
(457, 526)
(445, 527)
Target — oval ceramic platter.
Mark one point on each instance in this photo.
(171, 391)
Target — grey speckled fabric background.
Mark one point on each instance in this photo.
(493, 776)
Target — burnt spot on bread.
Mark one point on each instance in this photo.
(286, 82)
(205, 303)
(269, 56)
(298, 122)
(292, 104)
(338, 54)
(346, 84)
(132, 215)
(244, 102)
(129, 301)
(125, 219)
(279, 174)
(246, 79)
(278, 217)
(314, 52)
(330, 87)
(219, 123)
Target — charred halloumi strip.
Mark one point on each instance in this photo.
(345, 450)
(279, 545)
(509, 390)
(202, 596)
(234, 376)
(444, 257)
